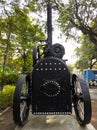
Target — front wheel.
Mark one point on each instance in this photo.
(82, 101)
(21, 101)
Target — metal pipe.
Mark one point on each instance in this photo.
(49, 24)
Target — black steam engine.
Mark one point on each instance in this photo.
(51, 89)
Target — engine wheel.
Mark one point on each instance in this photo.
(82, 102)
(21, 101)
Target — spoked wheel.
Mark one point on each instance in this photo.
(82, 102)
(21, 101)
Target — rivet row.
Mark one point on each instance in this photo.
(49, 69)
(59, 63)
(52, 113)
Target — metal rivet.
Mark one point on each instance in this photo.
(37, 69)
(45, 68)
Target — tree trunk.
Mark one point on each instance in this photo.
(6, 51)
(5, 58)
(92, 64)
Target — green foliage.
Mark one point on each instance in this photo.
(78, 15)
(6, 79)
(6, 96)
(18, 34)
(87, 54)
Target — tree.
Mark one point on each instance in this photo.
(28, 34)
(87, 54)
(6, 31)
(75, 15)
(79, 14)
(18, 34)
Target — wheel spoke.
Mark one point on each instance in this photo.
(80, 103)
(22, 110)
(81, 109)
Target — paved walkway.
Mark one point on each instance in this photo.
(54, 122)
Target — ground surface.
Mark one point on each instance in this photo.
(94, 113)
(6, 120)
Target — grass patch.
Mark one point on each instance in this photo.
(6, 96)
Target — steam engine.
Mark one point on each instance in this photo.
(51, 88)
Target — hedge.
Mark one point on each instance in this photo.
(6, 96)
(8, 79)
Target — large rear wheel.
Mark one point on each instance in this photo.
(21, 101)
(82, 101)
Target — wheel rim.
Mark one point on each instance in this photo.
(80, 100)
(23, 102)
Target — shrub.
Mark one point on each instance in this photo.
(6, 96)
(10, 79)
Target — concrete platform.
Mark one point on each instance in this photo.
(53, 122)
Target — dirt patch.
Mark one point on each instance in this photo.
(6, 121)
